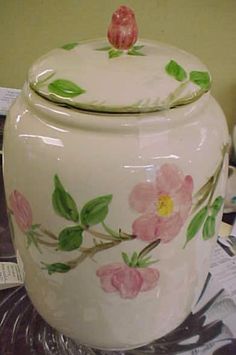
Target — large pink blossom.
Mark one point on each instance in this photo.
(123, 31)
(164, 204)
(21, 210)
(127, 281)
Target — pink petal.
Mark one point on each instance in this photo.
(21, 210)
(186, 189)
(170, 227)
(142, 196)
(150, 278)
(109, 269)
(128, 281)
(105, 273)
(106, 283)
(169, 178)
(146, 227)
(183, 197)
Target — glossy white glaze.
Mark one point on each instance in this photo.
(96, 154)
(126, 83)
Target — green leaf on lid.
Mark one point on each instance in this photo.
(201, 78)
(113, 53)
(69, 46)
(134, 51)
(175, 70)
(65, 88)
(106, 48)
(138, 47)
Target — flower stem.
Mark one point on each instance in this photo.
(90, 252)
(148, 248)
(217, 175)
(49, 244)
(121, 236)
(110, 231)
(48, 233)
(100, 235)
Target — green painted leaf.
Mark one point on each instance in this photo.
(32, 239)
(141, 263)
(196, 224)
(145, 262)
(216, 206)
(209, 228)
(147, 258)
(57, 183)
(106, 48)
(95, 211)
(201, 78)
(69, 46)
(70, 238)
(135, 52)
(113, 53)
(56, 267)
(63, 203)
(134, 259)
(175, 70)
(125, 258)
(138, 47)
(65, 88)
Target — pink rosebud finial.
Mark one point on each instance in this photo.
(123, 31)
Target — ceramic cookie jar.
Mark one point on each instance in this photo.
(115, 166)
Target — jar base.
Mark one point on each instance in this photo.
(23, 331)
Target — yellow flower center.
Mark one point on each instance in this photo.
(164, 205)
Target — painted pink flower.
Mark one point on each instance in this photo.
(123, 31)
(127, 281)
(164, 204)
(21, 210)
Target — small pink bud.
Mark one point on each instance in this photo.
(123, 31)
(21, 210)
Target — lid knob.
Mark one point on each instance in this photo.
(123, 30)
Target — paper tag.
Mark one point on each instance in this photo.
(7, 96)
(20, 264)
(10, 275)
(223, 269)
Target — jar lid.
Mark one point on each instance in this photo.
(120, 76)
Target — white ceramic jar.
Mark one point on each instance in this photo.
(115, 165)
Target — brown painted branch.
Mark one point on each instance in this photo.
(48, 233)
(148, 248)
(49, 244)
(101, 235)
(90, 252)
